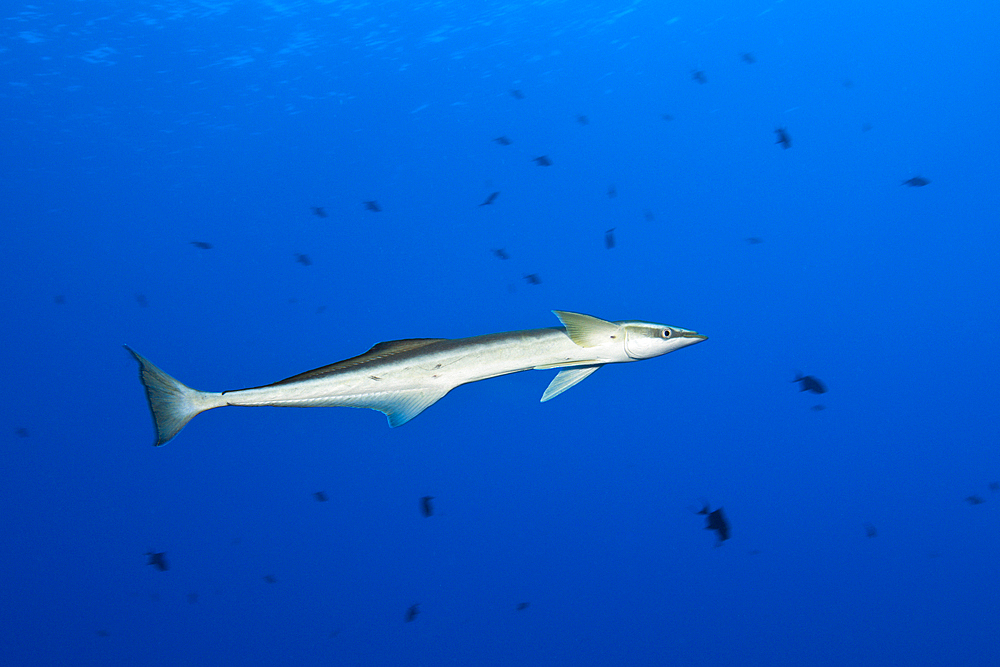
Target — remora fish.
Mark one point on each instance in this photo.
(402, 378)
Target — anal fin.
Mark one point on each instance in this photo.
(399, 407)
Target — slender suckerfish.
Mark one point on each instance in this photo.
(402, 378)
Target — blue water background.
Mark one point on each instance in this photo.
(133, 129)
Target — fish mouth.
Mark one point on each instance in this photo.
(692, 334)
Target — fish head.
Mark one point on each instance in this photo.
(645, 340)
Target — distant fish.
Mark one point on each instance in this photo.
(320, 496)
(916, 182)
(783, 138)
(543, 161)
(158, 560)
(666, 116)
(609, 238)
(975, 500)
(716, 521)
(318, 211)
(426, 507)
(648, 215)
(372, 206)
(517, 94)
(521, 606)
(754, 240)
(303, 259)
(492, 198)
(870, 530)
(533, 279)
(994, 486)
(202, 245)
(270, 578)
(501, 253)
(141, 300)
(810, 383)
(59, 299)
(412, 611)
(22, 432)
(699, 76)
(583, 120)
(819, 407)
(612, 191)
(503, 141)
(748, 58)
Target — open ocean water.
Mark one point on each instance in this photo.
(242, 191)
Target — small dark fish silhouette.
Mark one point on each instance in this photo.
(503, 141)
(609, 238)
(103, 633)
(748, 58)
(699, 76)
(518, 95)
(372, 206)
(754, 240)
(666, 116)
(819, 407)
(303, 259)
(320, 496)
(783, 138)
(866, 126)
(492, 198)
(543, 161)
(870, 530)
(318, 211)
(716, 521)
(141, 300)
(612, 191)
(22, 432)
(270, 578)
(426, 508)
(583, 120)
(975, 500)
(916, 182)
(648, 215)
(994, 486)
(202, 245)
(810, 383)
(521, 606)
(158, 560)
(59, 299)
(533, 279)
(411, 613)
(501, 253)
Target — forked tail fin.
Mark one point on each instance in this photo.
(173, 404)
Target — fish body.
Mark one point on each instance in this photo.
(717, 521)
(783, 138)
(916, 182)
(810, 383)
(402, 378)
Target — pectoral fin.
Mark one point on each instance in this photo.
(588, 331)
(566, 379)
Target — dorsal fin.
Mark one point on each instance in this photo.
(378, 351)
(586, 330)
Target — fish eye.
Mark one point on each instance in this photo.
(666, 333)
